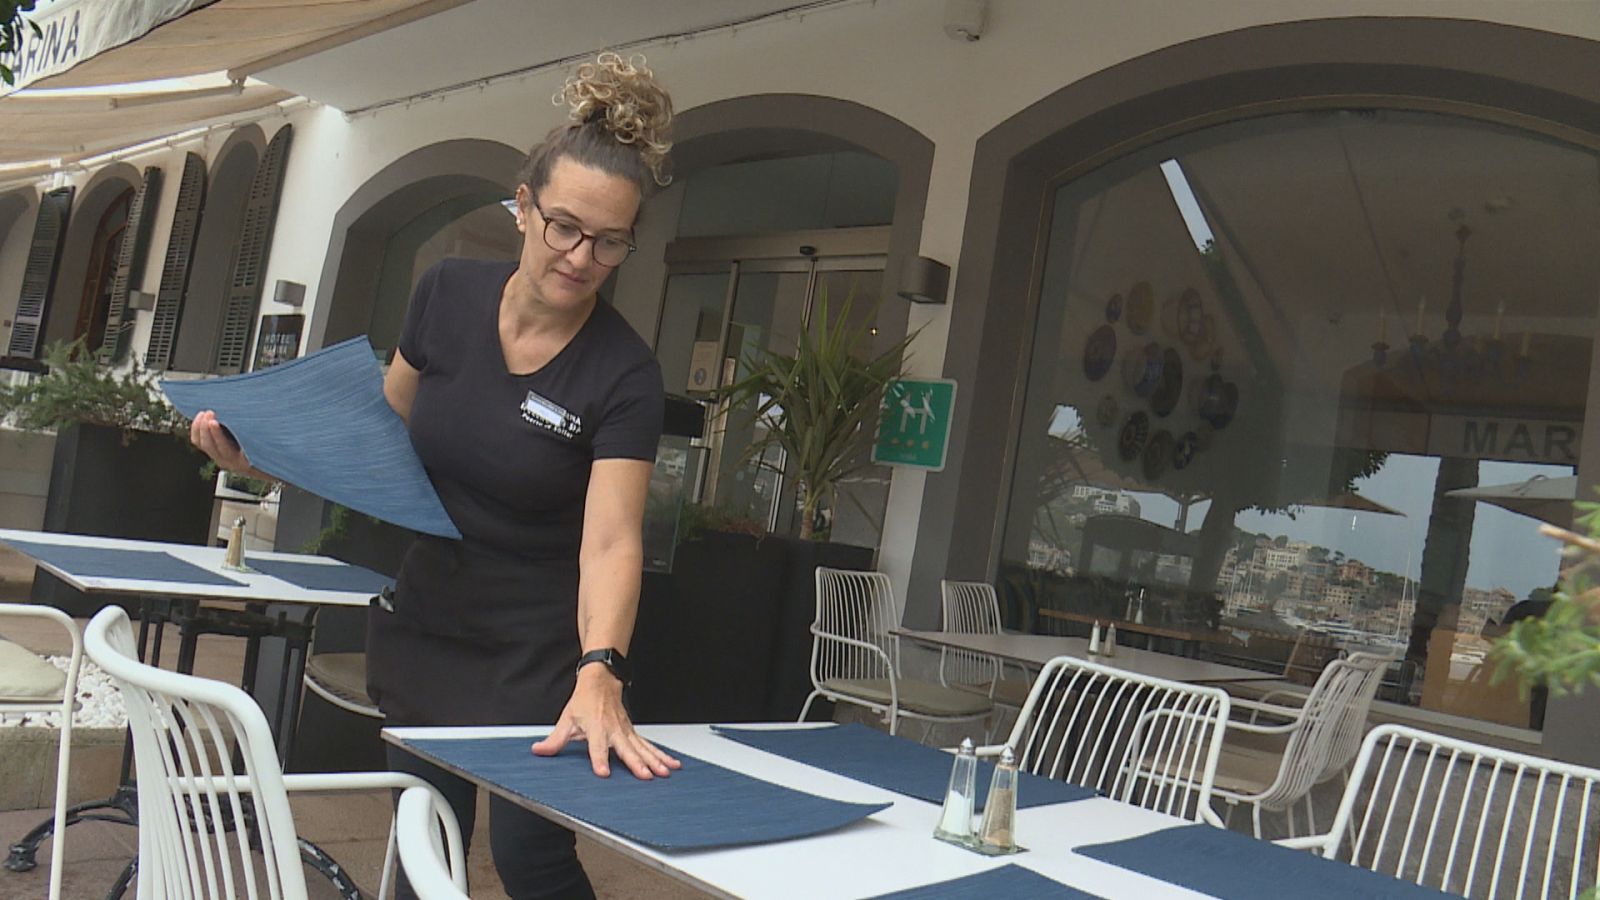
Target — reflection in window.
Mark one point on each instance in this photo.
(1307, 384)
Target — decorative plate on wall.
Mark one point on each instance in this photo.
(1141, 369)
(1099, 352)
(1157, 454)
(1114, 308)
(1220, 402)
(1130, 441)
(1183, 452)
(1165, 397)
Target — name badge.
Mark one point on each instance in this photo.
(551, 416)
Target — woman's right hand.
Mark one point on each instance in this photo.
(208, 435)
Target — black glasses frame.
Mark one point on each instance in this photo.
(594, 239)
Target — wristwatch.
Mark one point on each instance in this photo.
(613, 660)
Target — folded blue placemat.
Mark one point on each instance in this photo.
(102, 562)
(1228, 864)
(699, 807)
(320, 423)
(1009, 881)
(322, 576)
(892, 763)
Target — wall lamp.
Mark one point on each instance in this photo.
(925, 280)
(289, 293)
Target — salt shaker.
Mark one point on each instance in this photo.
(1109, 648)
(1094, 639)
(234, 557)
(955, 820)
(997, 833)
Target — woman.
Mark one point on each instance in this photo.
(536, 411)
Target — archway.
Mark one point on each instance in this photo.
(216, 247)
(101, 210)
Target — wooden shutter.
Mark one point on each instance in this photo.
(255, 242)
(175, 270)
(130, 266)
(39, 276)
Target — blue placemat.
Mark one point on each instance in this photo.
(320, 423)
(1228, 864)
(100, 562)
(322, 576)
(1008, 881)
(892, 763)
(699, 807)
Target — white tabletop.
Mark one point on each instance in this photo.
(254, 586)
(1037, 649)
(889, 851)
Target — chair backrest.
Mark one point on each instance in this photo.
(969, 607)
(35, 687)
(208, 775)
(1467, 818)
(1333, 719)
(1141, 740)
(422, 853)
(857, 606)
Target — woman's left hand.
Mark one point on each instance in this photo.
(596, 714)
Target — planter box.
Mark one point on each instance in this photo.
(726, 637)
(147, 488)
(28, 766)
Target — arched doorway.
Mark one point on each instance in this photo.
(98, 217)
(105, 246)
(436, 201)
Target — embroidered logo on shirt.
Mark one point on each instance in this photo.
(551, 416)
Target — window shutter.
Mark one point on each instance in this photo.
(175, 270)
(39, 276)
(130, 265)
(255, 242)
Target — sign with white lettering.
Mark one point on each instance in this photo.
(71, 31)
(1515, 440)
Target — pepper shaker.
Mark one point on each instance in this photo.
(234, 557)
(997, 833)
(1094, 639)
(1109, 648)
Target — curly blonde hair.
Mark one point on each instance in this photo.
(619, 123)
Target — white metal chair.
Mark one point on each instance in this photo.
(29, 684)
(422, 854)
(1322, 736)
(1466, 818)
(341, 679)
(211, 791)
(855, 659)
(970, 607)
(1146, 741)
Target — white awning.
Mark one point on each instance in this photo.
(74, 31)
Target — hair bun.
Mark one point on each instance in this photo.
(623, 97)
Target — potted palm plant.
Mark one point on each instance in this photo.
(819, 403)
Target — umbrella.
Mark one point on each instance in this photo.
(1541, 497)
(1354, 501)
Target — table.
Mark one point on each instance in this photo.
(253, 589)
(1037, 649)
(892, 850)
(1191, 639)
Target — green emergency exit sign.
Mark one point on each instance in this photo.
(914, 423)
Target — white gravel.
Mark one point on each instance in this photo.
(99, 702)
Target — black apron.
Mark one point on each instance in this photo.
(475, 638)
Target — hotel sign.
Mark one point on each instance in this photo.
(1514, 440)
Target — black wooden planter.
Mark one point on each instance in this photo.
(726, 637)
(111, 483)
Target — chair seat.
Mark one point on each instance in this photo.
(924, 697)
(27, 678)
(1011, 693)
(342, 674)
(1246, 770)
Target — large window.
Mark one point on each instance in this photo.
(1309, 383)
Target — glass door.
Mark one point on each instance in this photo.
(718, 310)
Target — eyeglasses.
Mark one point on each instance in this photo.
(564, 237)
